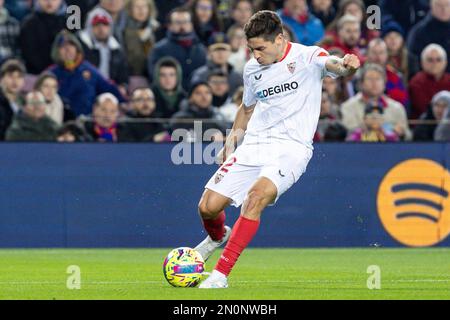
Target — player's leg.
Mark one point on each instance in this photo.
(211, 209)
(260, 195)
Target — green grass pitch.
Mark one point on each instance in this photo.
(259, 274)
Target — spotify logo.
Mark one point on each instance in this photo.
(413, 202)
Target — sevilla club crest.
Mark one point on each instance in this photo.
(291, 67)
(218, 177)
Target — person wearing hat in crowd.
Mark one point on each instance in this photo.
(102, 49)
(167, 87)
(220, 88)
(80, 82)
(399, 56)
(180, 43)
(432, 117)
(442, 132)
(199, 106)
(37, 32)
(374, 129)
(219, 51)
(31, 123)
(12, 80)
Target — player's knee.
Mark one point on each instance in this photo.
(254, 201)
(206, 210)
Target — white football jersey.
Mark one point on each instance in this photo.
(287, 95)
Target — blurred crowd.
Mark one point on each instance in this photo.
(137, 70)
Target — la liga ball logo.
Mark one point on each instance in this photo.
(413, 202)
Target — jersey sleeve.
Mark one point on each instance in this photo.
(319, 58)
(249, 97)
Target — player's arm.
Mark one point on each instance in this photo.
(237, 132)
(343, 66)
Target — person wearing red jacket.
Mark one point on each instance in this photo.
(425, 84)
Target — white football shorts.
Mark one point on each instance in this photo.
(283, 164)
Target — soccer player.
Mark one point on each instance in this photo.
(275, 126)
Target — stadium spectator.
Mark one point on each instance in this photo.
(12, 80)
(442, 132)
(229, 110)
(239, 51)
(307, 28)
(105, 125)
(181, 43)
(323, 10)
(406, 12)
(80, 82)
(116, 9)
(328, 115)
(399, 56)
(377, 52)
(205, 19)
(103, 50)
(19, 9)
(139, 35)
(346, 41)
(241, 12)
(220, 88)
(373, 129)
(144, 128)
(372, 84)
(199, 106)
(37, 33)
(9, 34)
(219, 52)
(432, 117)
(164, 9)
(357, 9)
(337, 90)
(31, 123)
(430, 81)
(435, 28)
(167, 87)
(72, 132)
(55, 108)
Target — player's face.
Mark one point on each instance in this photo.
(265, 51)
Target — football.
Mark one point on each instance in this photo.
(183, 267)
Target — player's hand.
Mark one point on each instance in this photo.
(221, 156)
(351, 62)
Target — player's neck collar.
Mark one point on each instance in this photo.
(286, 52)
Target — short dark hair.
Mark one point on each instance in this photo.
(181, 9)
(12, 65)
(265, 24)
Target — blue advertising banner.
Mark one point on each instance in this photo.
(133, 195)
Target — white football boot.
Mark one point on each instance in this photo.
(216, 280)
(208, 246)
